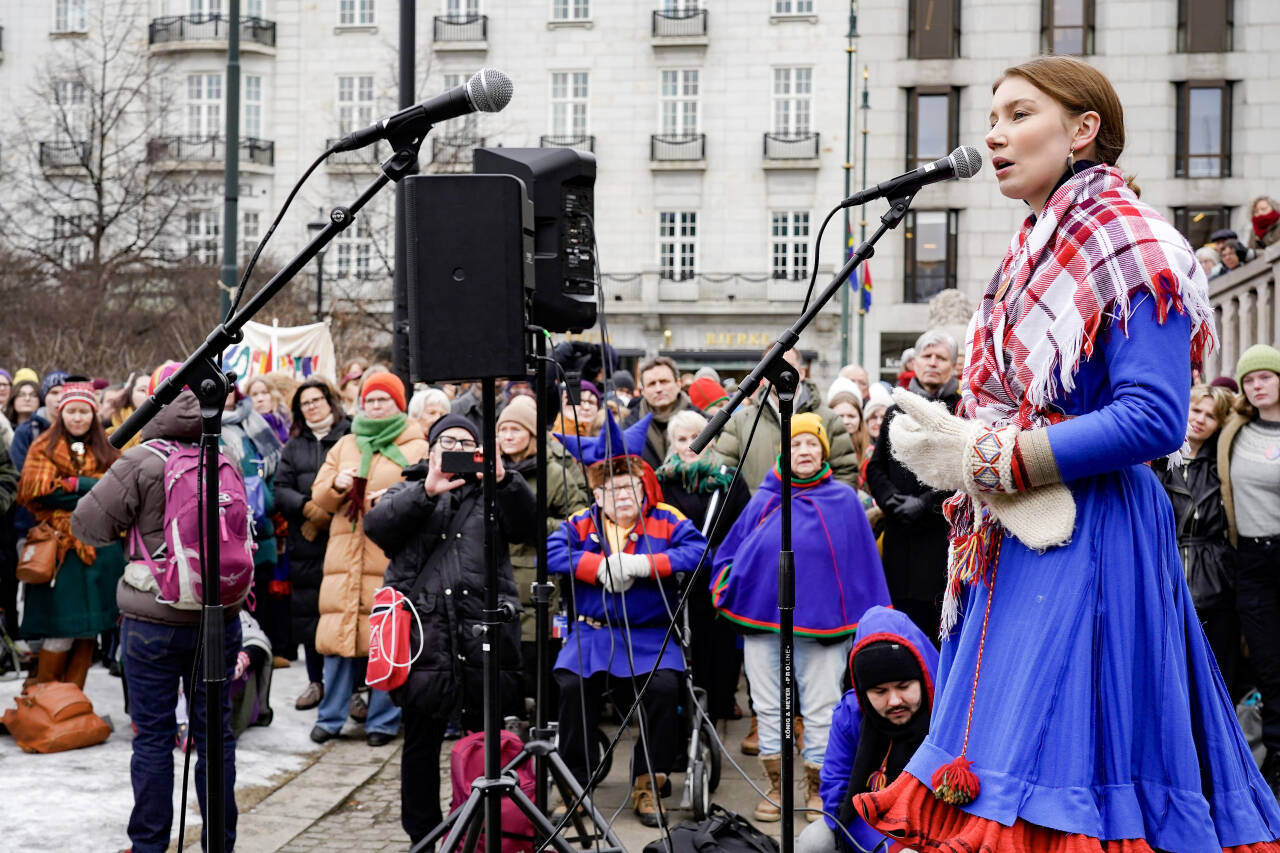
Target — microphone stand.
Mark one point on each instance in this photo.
(203, 373)
(784, 379)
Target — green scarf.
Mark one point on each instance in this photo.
(378, 435)
(802, 482)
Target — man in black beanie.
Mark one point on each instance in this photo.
(875, 729)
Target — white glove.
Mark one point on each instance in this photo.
(636, 566)
(612, 576)
(929, 441)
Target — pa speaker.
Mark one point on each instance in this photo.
(470, 272)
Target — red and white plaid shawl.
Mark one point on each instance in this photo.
(1076, 268)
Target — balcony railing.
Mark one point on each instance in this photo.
(690, 24)
(586, 143)
(62, 155)
(790, 146)
(368, 157)
(691, 146)
(454, 153)
(209, 149)
(180, 28)
(461, 28)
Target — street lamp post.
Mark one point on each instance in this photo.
(848, 169)
(315, 228)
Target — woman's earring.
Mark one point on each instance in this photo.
(1071, 159)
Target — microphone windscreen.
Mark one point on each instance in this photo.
(489, 90)
(967, 161)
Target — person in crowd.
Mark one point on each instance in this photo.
(848, 407)
(567, 494)
(624, 388)
(1265, 214)
(758, 460)
(1080, 700)
(1249, 468)
(1195, 491)
(622, 553)
(160, 642)
(318, 422)
(251, 444)
(26, 434)
(1233, 255)
(706, 492)
(79, 603)
(908, 371)
(1210, 260)
(915, 531)
(1226, 382)
(23, 402)
(1221, 237)
(355, 474)
(349, 385)
(857, 374)
(838, 576)
(662, 397)
(875, 729)
(120, 403)
(270, 402)
(469, 405)
(585, 417)
(433, 529)
(428, 406)
(707, 395)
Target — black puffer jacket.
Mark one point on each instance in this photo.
(436, 548)
(1195, 491)
(300, 461)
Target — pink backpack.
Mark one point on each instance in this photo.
(176, 566)
(466, 764)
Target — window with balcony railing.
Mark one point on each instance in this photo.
(791, 146)
(202, 149)
(680, 22)
(454, 153)
(677, 146)
(62, 155)
(209, 27)
(584, 142)
(449, 28)
(368, 157)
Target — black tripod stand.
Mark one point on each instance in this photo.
(202, 372)
(785, 380)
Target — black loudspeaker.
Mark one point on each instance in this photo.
(470, 273)
(561, 182)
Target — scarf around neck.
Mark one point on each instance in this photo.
(1080, 265)
(42, 474)
(373, 435)
(244, 421)
(322, 427)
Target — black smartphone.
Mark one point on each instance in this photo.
(462, 461)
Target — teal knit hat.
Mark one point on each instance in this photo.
(1257, 357)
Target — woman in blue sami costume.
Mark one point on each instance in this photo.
(622, 552)
(1079, 707)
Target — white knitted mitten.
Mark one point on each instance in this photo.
(1040, 518)
(930, 441)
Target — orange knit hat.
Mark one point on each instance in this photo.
(384, 380)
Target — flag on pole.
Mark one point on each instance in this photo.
(866, 288)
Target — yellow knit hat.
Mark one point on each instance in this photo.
(811, 422)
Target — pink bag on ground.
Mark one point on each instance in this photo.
(466, 764)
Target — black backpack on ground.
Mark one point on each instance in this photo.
(722, 832)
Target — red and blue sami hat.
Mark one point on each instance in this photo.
(616, 444)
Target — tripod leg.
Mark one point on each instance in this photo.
(455, 824)
(564, 779)
(539, 820)
(474, 825)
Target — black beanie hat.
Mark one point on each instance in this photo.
(885, 661)
(448, 421)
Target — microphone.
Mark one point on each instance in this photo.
(964, 162)
(488, 91)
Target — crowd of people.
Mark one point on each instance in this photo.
(1225, 251)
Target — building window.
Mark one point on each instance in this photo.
(461, 9)
(204, 227)
(792, 101)
(930, 262)
(1197, 223)
(1203, 124)
(679, 103)
(355, 13)
(355, 249)
(570, 10)
(1206, 26)
(680, 7)
(465, 125)
(933, 29)
(68, 16)
(253, 106)
(933, 124)
(73, 111)
(204, 7)
(570, 91)
(677, 244)
(789, 243)
(71, 239)
(1066, 27)
(793, 7)
(250, 232)
(355, 102)
(204, 105)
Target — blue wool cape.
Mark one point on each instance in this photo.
(838, 572)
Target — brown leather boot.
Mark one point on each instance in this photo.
(766, 811)
(78, 663)
(52, 666)
(812, 799)
(644, 797)
(797, 727)
(751, 743)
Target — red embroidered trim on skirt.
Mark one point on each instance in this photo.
(908, 812)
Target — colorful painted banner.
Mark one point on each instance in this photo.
(302, 351)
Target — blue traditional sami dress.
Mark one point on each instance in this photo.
(629, 627)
